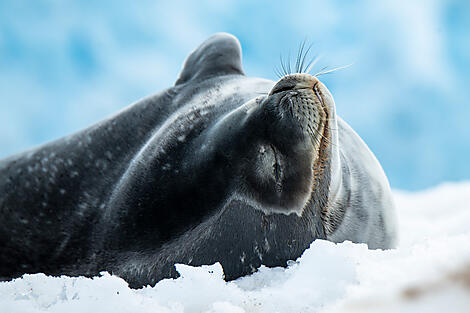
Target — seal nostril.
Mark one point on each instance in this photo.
(280, 89)
(285, 84)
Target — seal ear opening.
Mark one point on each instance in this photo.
(220, 54)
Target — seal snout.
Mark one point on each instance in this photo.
(294, 82)
(302, 98)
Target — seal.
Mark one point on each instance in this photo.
(220, 167)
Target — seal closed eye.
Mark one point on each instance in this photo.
(205, 171)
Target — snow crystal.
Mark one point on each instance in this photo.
(422, 275)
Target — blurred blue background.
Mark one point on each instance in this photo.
(67, 64)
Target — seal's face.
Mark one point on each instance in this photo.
(303, 101)
(288, 131)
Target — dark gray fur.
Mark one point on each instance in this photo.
(174, 178)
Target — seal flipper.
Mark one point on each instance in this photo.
(221, 54)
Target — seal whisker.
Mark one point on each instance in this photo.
(314, 136)
(301, 65)
(312, 63)
(322, 136)
(321, 70)
(276, 71)
(324, 71)
(302, 68)
(301, 56)
(288, 63)
(283, 65)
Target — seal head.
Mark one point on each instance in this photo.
(284, 133)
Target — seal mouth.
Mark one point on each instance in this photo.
(302, 98)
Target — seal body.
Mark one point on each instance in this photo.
(218, 168)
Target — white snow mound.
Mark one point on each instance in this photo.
(429, 272)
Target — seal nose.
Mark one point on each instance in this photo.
(295, 82)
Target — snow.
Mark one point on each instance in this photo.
(428, 272)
